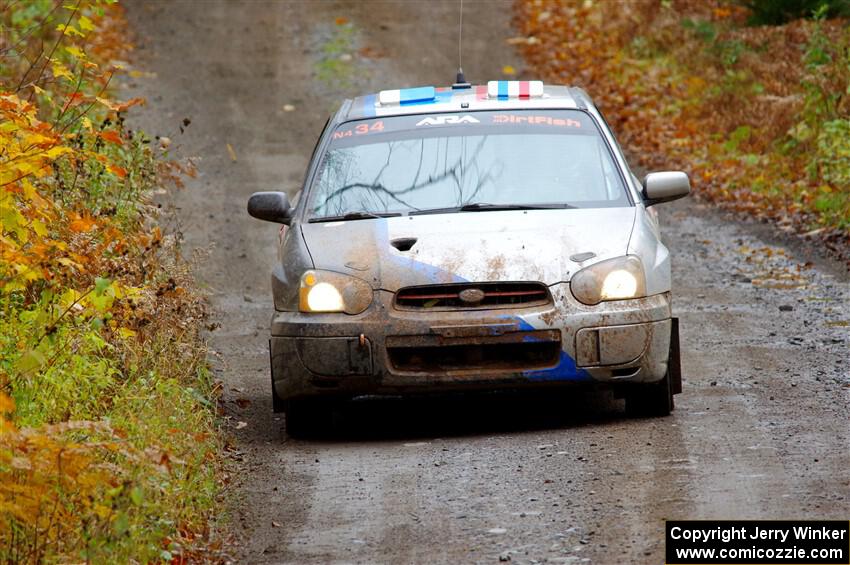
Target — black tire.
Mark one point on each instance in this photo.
(278, 404)
(650, 401)
(308, 417)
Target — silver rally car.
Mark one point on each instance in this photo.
(470, 238)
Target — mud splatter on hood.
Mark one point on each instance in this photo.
(474, 246)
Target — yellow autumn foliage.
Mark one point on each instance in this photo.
(105, 416)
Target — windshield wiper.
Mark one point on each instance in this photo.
(485, 207)
(353, 216)
(479, 206)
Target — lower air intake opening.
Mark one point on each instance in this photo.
(509, 357)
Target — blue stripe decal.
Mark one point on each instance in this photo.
(503, 90)
(565, 370)
(369, 106)
(421, 94)
(429, 274)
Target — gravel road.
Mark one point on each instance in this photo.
(762, 430)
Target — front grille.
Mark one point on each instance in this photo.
(492, 295)
(513, 352)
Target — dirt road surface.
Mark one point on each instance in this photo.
(762, 430)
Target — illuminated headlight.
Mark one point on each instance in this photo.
(326, 291)
(614, 279)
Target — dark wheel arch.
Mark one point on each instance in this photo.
(656, 399)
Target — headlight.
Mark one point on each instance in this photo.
(614, 279)
(326, 291)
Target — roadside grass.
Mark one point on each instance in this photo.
(109, 440)
(758, 115)
(336, 65)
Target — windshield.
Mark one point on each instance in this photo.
(481, 160)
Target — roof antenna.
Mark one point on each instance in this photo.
(460, 81)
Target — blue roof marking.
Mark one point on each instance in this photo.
(444, 96)
(413, 95)
(439, 98)
(369, 105)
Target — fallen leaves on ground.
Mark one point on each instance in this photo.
(755, 115)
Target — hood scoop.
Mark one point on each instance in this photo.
(404, 243)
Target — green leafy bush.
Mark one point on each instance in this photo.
(833, 153)
(778, 12)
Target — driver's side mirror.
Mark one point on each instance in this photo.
(271, 207)
(665, 186)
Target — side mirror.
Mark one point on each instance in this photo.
(665, 186)
(271, 207)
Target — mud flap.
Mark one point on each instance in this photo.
(277, 402)
(675, 361)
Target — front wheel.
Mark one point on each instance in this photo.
(652, 400)
(308, 417)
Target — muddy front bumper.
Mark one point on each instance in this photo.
(391, 351)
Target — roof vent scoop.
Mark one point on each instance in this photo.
(403, 243)
(460, 81)
(582, 257)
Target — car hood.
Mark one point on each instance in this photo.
(533, 245)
